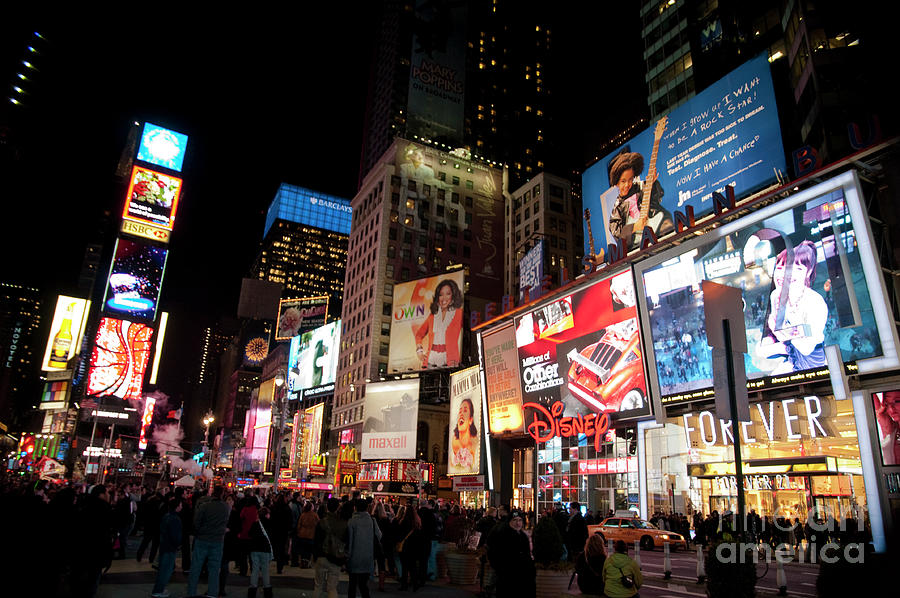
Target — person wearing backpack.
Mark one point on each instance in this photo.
(621, 575)
(329, 551)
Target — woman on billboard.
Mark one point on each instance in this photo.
(799, 343)
(464, 443)
(443, 327)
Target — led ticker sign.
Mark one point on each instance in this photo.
(145, 231)
(808, 277)
(135, 279)
(66, 331)
(152, 197)
(146, 420)
(162, 147)
(119, 359)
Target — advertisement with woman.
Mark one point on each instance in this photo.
(464, 455)
(427, 320)
(585, 350)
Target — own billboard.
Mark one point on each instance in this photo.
(119, 359)
(390, 419)
(152, 197)
(66, 331)
(808, 276)
(135, 280)
(584, 350)
(531, 271)
(501, 375)
(426, 326)
(728, 134)
(299, 315)
(464, 455)
(313, 357)
(162, 147)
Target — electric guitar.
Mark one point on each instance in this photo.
(634, 227)
(594, 258)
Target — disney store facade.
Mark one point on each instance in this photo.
(615, 378)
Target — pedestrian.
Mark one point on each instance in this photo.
(95, 536)
(432, 529)
(306, 532)
(410, 545)
(154, 509)
(210, 523)
(576, 531)
(362, 534)
(386, 558)
(589, 566)
(169, 543)
(329, 551)
(187, 526)
(124, 518)
(261, 554)
(509, 552)
(279, 530)
(621, 575)
(230, 550)
(249, 513)
(296, 510)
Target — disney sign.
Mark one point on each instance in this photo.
(547, 424)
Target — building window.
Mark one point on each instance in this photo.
(470, 184)
(455, 180)
(468, 202)
(395, 180)
(441, 194)
(407, 236)
(391, 251)
(389, 270)
(537, 225)
(527, 213)
(468, 217)
(454, 197)
(426, 190)
(411, 184)
(386, 309)
(536, 190)
(467, 252)
(404, 273)
(384, 349)
(562, 243)
(442, 176)
(388, 289)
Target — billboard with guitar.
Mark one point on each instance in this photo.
(727, 135)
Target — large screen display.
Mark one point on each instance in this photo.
(584, 349)
(464, 454)
(119, 359)
(390, 419)
(66, 331)
(135, 280)
(313, 357)
(808, 277)
(310, 434)
(255, 335)
(427, 323)
(887, 419)
(299, 315)
(162, 147)
(501, 375)
(726, 135)
(531, 272)
(152, 197)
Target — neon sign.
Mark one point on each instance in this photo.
(552, 425)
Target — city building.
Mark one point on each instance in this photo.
(545, 209)
(20, 351)
(466, 74)
(420, 211)
(304, 245)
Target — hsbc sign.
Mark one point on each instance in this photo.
(146, 231)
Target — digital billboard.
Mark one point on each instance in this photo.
(808, 277)
(887, 419)
(119, 359)
(390, 418)
(531, 271)
(152, 197)
(55, 395)
(66, 331)
(255, 336)
(311, 440)
(135, 280)
(584, 350)
(501, 375)
(299, 315)
(728, 134)
(146, 420)
(464, 454)
(426, 323)
(162, 147)
(313, 357)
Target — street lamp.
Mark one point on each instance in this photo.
(207, 420)
(279, 385)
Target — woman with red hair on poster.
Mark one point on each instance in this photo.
(442, 327)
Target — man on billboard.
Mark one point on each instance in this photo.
(442, 328)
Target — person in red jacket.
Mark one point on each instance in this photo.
(442, 327)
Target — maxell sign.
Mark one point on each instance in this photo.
(388, 445)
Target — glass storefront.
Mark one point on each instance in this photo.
(523, 479)
(798, 454)
(570, 469)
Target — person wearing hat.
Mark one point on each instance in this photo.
(624, 171)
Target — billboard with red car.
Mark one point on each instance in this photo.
(584, 349)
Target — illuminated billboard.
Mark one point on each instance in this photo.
(162, 147)
(313, 357)
(119, 359)
(310, 434)
(426, 326)
(887, 420)
(66, 331)
(146, 420)
(299, 315)
(255, 336)
(809, 278)
(501, 375)
(464, 455)
(584, 349)
(390, 419)
(728, 134)
(152, 197)
(135, 280)
(531, 271)
(55, 395)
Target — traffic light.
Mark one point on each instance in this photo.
(118, 443)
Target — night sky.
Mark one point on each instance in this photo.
(265, 99)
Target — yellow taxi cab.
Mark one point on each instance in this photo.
(632, 529)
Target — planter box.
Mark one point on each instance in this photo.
(441, 560)
(462, 568)
(552, 584)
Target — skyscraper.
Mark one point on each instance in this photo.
(20, 319)
(305, 245)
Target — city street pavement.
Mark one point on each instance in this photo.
(129, 579)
